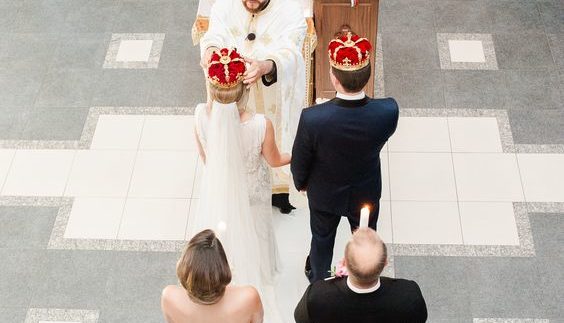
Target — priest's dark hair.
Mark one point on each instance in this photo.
(353, 81)
(203, 269)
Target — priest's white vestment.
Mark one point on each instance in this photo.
(279, 32)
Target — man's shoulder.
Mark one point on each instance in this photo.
(326, 289)
(405, 287)
(387, 104)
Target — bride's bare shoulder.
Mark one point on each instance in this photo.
(245, 294)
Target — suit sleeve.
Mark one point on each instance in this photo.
(395, 117)
(302, 156)
(301, 313)
(418, 307)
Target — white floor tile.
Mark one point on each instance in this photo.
(101, 173)
(6, 157)
(474, 135)
(154, 219)
(95, 218)
(416, 134)
(291, 283)
(134, 50)
(292, 230)
(198, 179)
(192, 212)
(426, 223)
(542, 176)
(487, 177)
(39, 173)
(488, 223)
(422, 177)
(118, 132)
(384, 225)
(384, 168)
(471, 51)
(163, 174)
(168, 133)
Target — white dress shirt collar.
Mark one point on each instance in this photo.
(358, 96)
(362, 290)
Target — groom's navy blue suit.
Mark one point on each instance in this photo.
(336, 159)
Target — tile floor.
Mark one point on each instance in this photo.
(99, 171)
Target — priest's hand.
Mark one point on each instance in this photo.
(256, 69)
(207, 55)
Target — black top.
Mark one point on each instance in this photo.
(336, 153)
(397, 300)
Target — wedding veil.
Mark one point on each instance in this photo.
(224, 198)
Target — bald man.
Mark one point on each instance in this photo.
(363, 296)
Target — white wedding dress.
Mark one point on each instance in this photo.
(235, 197)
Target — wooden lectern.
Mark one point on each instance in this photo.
(330, 17)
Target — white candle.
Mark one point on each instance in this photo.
(364, 215)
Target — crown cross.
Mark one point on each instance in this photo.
(346, 61)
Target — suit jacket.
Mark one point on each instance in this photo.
(331, 301)
(336, 153)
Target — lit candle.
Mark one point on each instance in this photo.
(364, 215)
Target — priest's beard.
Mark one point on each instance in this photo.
(255, 6)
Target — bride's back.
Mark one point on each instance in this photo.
(239, 304)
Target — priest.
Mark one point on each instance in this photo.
(270, 35)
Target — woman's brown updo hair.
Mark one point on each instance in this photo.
(203, 269)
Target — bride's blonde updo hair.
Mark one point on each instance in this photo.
(203, 269)
(225, 76)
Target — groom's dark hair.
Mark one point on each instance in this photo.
(353, 81)
(203, 269)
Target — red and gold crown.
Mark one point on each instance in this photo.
(226, 68)
(349, 52)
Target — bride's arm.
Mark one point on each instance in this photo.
(269, 149)
(200, 148)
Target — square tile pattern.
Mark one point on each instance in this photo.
(446, 180)
(466, 51)
(134, 51)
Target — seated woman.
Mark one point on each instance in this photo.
(205, 295)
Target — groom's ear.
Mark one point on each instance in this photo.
(334, 79)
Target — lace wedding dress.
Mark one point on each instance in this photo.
(235, 198)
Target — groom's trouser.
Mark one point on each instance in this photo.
(323, 231)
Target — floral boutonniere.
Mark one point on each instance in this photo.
(340, 270)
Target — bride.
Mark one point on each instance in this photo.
(236, 147)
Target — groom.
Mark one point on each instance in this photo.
(336, 153)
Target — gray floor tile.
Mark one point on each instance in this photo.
(147, 291)
(55, 124)
(416, 89)
(556, 43)
(26, 227)
(550, 286)
(179, 52)
(19, 270)
(410, 51)
(42, 16)
(9, 11)
(548, 234)
(83, 50)
(153, 264)
(517, 16)
(12, 122)
(442, 281)
(525, 51)
(28, 51)
(91, 16)
(507, 287)
(13, 314)
(15, 289)
(537, 126)
(123, 87)
(533, 89)
(475, 89)
(462, 17)
(140, 17)
(405, 16)
(551, 13)
(177, 87)
(68, 88)
(19, 87)
(180, 16)
(117, 314)
(72, 279)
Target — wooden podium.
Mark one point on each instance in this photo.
(330, 17)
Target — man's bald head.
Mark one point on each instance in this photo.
(365, 256)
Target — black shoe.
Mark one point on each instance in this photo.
(282, 201)
(307, 269)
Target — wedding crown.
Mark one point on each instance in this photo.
(349, 52)
(226, 68)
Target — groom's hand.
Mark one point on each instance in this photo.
(256, 69)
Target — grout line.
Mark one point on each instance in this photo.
(8, 172)
(455, 182)
(131, 178)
